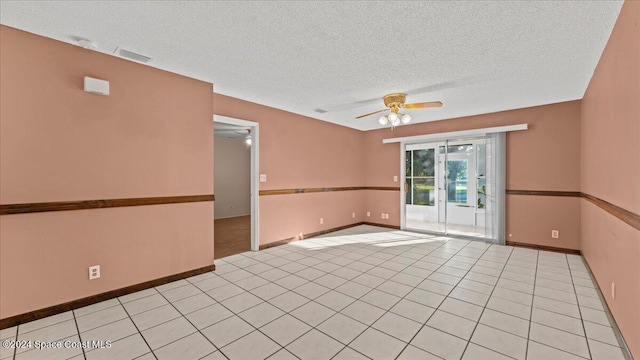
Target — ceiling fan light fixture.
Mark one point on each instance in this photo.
(394, 103)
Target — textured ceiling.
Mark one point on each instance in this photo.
(476, 57)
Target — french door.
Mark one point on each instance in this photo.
(455, 187)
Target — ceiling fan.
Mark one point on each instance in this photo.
(395, 102)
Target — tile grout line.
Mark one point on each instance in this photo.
(358, 299)
(416, 286)
(586, 338)
(401, 298)
(255, 328)
(195, 327)
(533, 297)
(622, 344)
(485, 305)
(136, 326)
(408, 343)
(285, 313)
(555, 328)
(75, 321)
(15, 348)
(336, 312)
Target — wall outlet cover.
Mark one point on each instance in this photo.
(94, 272)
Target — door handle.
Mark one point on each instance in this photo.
(466, 206)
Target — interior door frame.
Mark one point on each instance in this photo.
(255, 168)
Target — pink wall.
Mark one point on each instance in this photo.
(153, 136)
(545, 157)
(610, 170)
(287, 216)
(300, 152)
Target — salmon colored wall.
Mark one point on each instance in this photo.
(300, 152)
(46, 256)
(153, 136)
(610, 170)
(545, 157)
(232, 183)
(378, 202)
(287, 216)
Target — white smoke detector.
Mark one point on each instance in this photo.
(87, 44)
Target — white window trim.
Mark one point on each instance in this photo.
(454, 134)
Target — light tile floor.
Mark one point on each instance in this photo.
(360, 293)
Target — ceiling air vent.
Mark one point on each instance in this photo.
(132, 56)
(320, 111)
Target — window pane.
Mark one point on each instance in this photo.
(482, 193)
(423, 162)
(423, 192)
(482, 159)
(456, 149)
(457, 181)
(407, 189)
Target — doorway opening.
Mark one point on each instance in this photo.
(235, 186)
(455, 187)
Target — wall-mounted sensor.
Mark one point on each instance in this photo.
(96, 86)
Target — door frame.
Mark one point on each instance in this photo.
(255, 168)
(454, 138)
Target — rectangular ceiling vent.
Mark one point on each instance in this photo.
(320, 111)
(132, 56)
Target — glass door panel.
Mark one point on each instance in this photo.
(421, 197)
(449, 188)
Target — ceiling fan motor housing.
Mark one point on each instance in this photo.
(395, 101)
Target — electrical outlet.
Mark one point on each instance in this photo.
(613, 290)
(353, 215)
(555, 234)
(321, 220)
(510, 235)
(263, 177)
(94, 272)
(395, 178)
(382, 216)
(368, 213)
